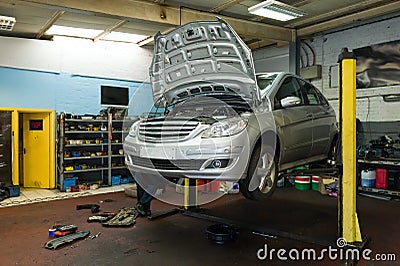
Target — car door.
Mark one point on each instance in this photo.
(296, 130)
(323, 117)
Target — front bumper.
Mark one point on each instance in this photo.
(216, 158)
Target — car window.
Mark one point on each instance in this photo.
(310, 93)
(289, 87)
(264, 81)
(321, 97)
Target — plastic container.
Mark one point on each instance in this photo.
(233, 187)
(51, 232)
(315, 183)
(368, 178)
(13, 191)
(75, 188)
(126, 180)
(115, 180)
(382, 178)
(75, 153)
(302, 182)
(280, 182)
(69, 182)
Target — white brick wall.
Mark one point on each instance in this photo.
(116, 60)
(271, 59)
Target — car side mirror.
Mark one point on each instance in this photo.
(290, 101)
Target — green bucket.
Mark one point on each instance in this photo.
(315, 182)
(302, 182)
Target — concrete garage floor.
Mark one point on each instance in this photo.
(180, 240)
(34, 195)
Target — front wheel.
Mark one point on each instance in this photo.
(262, 175)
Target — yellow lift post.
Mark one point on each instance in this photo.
(190, 200)
(349, 228)
(190, 194)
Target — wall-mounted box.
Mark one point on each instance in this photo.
(311, 72)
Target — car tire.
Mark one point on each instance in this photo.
(261, 159)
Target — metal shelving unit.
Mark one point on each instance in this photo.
(380, 191)
(87, 170)
(387, 163)
(94, 135)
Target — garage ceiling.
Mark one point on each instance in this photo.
(34, 17)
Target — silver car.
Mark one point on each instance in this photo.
(214, 118)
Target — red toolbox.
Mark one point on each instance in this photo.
(381, 178)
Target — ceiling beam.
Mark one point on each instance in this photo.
(224, 5)
(134, 9)
(257, 18)
(173, 16)
(348, 19)
(147, 41)
(334, 13)
(242, 27)
(303, 3)
(117, 25)
(260, 44)
(150, 39)
(49, 23)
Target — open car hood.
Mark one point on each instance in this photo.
(202, 57)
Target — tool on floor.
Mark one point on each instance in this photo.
(60, 241)
(63, 230)
(101, 217)
(125, 217)
(95, 236)
(94, 207)
(264, 235)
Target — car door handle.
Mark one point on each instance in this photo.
(309, 115)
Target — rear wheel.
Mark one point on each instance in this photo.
(262, 175)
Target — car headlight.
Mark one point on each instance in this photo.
(225, 128)
(134, 128)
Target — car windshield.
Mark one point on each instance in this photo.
(265, 81)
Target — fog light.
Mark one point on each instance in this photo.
(216, 163)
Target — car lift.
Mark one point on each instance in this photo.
(348, 226)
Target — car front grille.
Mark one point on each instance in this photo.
(163, 164)
(159, 130)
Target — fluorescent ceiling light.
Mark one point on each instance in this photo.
(124, 37)
(73, 32)
(7, 23)
(276, 10)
